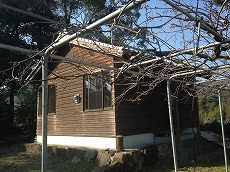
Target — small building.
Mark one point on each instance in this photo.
(82, 106)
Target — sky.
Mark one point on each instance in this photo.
(171, 36)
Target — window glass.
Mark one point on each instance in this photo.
(97, 92)
(107, 94)
(51, 99)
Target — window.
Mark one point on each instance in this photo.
(97, 91)
(51, 99)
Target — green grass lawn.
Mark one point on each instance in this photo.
(217, 166)
(14, 159)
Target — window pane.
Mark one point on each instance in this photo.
(99, 99)
(107, 95)
(95, 100)
(97, 92)
(52, 99)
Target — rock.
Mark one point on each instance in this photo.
(138, 158)
(33, 148)
(164, 152)
(75, 154)
(150, 154)
(126, 159)
(61, 153)
(90, 155)
(52, 150)
(104, 157)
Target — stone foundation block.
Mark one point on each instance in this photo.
(90, 155)
(104, 157)
(33, 148)
(150, 154)
(61, 153)
(75, 154)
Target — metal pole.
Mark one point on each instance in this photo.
(170, 112)
(222, 128)
(45, 68)
(44, 113)
(171, 125)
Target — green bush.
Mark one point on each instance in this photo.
(4, 112)
(25, 112)
(209, 107)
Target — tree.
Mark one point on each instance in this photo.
(84, 12)
(4, 110)
(26, 110)
(25, 31)
(182, 37)
(22, 31)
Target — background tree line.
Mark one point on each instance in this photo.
(209, 107)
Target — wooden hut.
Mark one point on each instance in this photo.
(82, 110)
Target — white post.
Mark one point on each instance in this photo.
(44, 113)
(171, 125)
(170, 112)
(222, 128)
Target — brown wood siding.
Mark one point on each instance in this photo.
(151, 114)
(187, 111)
(70, 118)
(147, 116)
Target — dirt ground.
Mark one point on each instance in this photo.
(13, 158)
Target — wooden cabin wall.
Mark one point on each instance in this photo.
(187, 106)
(70, 119)
(150, 115)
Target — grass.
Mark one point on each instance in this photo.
(217, 166)
(13, 158)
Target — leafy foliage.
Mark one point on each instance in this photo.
(209, 107)
(24, 110)
(25, 116)
(23, 31)
(4, 113)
